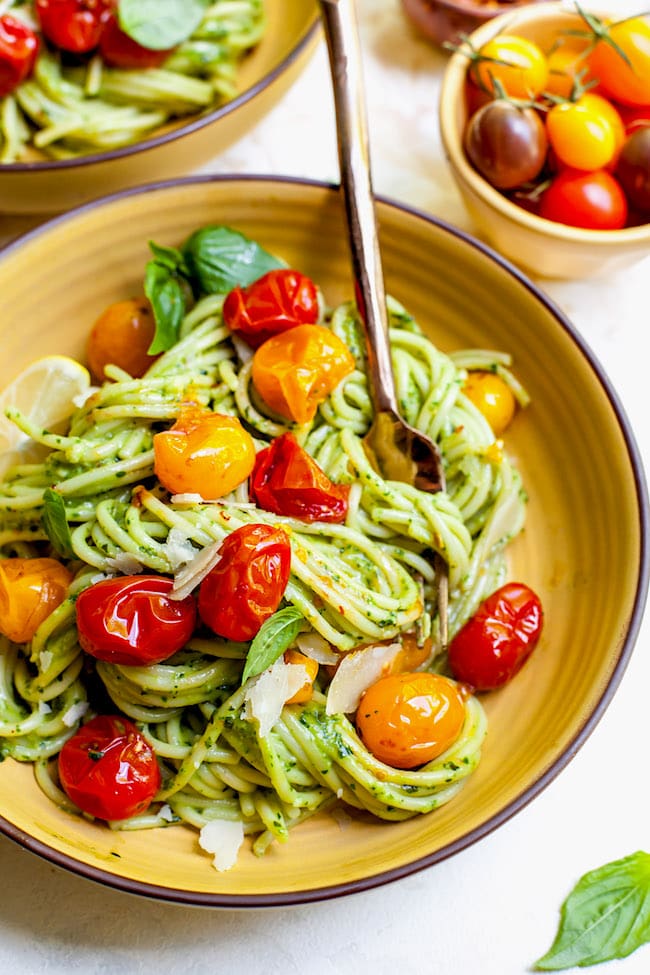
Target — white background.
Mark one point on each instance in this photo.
(492, 909)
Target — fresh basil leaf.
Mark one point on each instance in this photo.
(169, 257)
(166, 293)
(606, 916)
(55, 523)
(274, 637)
(160, 24)
(220, 258)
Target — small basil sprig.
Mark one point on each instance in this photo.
(606, 916)
(274, 637)
(55, 523)
(160, 24)
(213, 260)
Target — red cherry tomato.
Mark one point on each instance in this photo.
(275, 302)
(247, 584)
(287, 481)
(18, 49)
(73, 25)
(495, 643)
(120, 51)
(133, 621)
(108, 769)
(594, 201)
(406, 720)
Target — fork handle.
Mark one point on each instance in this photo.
(342, 36)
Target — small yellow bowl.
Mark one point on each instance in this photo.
(542, 247)
(47, 186)
(578, 475)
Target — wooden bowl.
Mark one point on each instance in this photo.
(47, 186)
(446, 21)
(587, 520)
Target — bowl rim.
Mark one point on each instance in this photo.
(474, 8)
(198, 121)
(297, 897)
(450, 90)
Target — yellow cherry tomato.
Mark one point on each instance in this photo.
(296, 370)
(203, 453)
(492, 396)
(406, 720)
(30, 589)
(518, 65)
(581, 134)
(121, 336)
(311, 666)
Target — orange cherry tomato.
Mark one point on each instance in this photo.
(30, 589)
(627, 81)
(121, 336)
(203, 453)
(581, 134)
(492, 396)
(406, 720)
(565, 63)
(279, 300)
(515, 63)
(311, 666)
(109, 769)
(296, 370)
(412, 655)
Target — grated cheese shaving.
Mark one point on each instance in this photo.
(223, 838)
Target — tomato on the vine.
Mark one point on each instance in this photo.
(73, 25)
(18, 50)
(279, 300)
(121, 336)
(566, 64)
(133, 620)
(287, 481)
(406, 720)
(496, 642)
(506, 144)
(581, 133)
(514, 63)
(621, 60)
(248, 582)
(109, 769)
(594, 201)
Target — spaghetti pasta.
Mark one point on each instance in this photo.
(363, 582)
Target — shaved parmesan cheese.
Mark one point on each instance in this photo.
(268, 693)
(355, 674)
(165, 812)
(82, 398)
(187, 499)
(44, 708)
(126, 563)
(196, 571)
(74, 714)
(45, 658)
(179, 549)
(223, 838)
(316, 647)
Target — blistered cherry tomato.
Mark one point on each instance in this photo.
(304, 693)
(287, 481)
(18, 50)
(496, 642)
(581, 133)
(406, 720)
(492, 396)
(275, 302)
(30, 589)
(121, 336)
(247, 584)
(203, 453)
(296, 370)
(120, 51)
(133, 621)
(622, 63)
(516, 63)
(109, 769)
(73, 25)
(633, 169)
(506, 144)
(594, 201)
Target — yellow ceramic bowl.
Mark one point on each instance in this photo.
(540, 246)
(47, 187)
(579, 475)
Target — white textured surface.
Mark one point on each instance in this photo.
(492, 909)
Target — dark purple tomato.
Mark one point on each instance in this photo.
(633, 169)
(506, 144)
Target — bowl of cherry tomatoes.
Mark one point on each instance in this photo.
(95, 97)
(545, 121)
